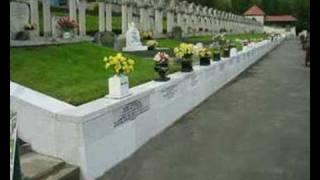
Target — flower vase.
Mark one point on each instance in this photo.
(162, 69)
(204, 61)
(186, 64)
(226, 52)
(66, 35)
(118, 86)
(216, 56)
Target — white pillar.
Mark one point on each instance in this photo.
(34, 15)
(179, 20)
(124, 17)
(102, 17)
(142, 19)
(108, 17)
(158, 21)
(46, 18)
(73, 9)
(82, 18)
(170, 21)
(130, 14)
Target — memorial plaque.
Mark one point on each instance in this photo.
(19, 17)
(169, 92)
(194, 80)
(132, 110)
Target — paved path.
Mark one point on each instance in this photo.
(255, 128)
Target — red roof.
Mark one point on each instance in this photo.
(281, 18)
(254, 11)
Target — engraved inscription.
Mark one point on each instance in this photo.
(169, 92)
(131, 111)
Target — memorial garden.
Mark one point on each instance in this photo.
(95, 81)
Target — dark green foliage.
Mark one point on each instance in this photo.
(105, 38)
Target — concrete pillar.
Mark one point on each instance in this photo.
(46, 18)
(73, 9)
(142, 18)
(158, 21)
(82, 18)
(130, 14)
(108, 17)
(170, 21)
(179, 20)
(102, 21)
(124, 18)
(34, 15)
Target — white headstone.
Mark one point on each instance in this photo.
(133, 42)
(19, 17)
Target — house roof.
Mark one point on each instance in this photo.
(254, 11)
(281, 18)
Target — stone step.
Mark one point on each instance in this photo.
(25, 148)
(68, 172)
(35, 166)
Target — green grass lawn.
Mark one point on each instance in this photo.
(73, 73)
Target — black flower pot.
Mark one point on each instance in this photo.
(204, 61)
(226, 53)
(151, 48)
(162, 69)
(216, 56)
(186, 66)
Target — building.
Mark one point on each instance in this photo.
(279, 20)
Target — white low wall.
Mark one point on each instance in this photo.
(98, 135)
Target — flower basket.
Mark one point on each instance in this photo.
(161, 66)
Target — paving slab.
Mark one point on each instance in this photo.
(255, 128)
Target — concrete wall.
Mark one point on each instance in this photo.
(98, 135)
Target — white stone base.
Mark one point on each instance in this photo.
(135, 48)
(99, 134)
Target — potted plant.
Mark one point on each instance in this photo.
(205, 56)
(146, 35)
(216, 53)
(119, 83)
(67, 26)
(161, 66)
(152, 44)
(185, 53)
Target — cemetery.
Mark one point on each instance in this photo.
(95, 83)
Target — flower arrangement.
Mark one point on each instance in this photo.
(146, 34)
(205, 53)
(119, 64)
(161, 65)
(152, 44)
(205, 56)
(66, 24)
(184, 51)
(29, 27)
(161, 57)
